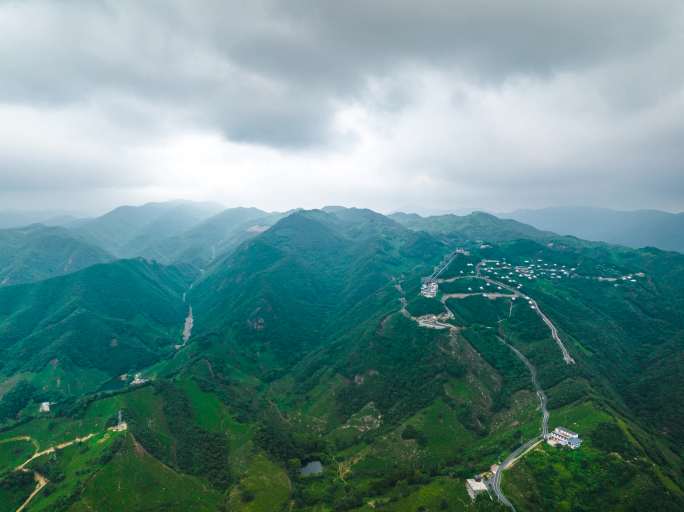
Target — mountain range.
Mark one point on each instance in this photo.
(208, 359)
(38, 252)
(639, 228)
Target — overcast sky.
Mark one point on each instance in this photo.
(425, 105)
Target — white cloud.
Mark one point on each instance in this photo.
(277, 105)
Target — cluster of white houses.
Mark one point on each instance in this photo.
(561, 436)
(429, 288)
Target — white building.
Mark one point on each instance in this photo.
(475, 487)
(429, 289)
(561, 436)
(138, 379)
(44, 407)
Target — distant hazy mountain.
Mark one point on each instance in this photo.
(39, 252)
(211, 238)
(475, 226)
(127, 230)
(17, 219)
(640, 228)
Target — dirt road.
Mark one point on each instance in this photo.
(41, 482)
(52, 449)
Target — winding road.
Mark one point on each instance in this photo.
(495, 481)
(567, 358)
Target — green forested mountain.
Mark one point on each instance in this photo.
(311, 343)
(39, 252)
(72, 333)
(212, 238)
(128, 230)
(306, 277)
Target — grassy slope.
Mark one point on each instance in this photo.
(134, 480)
(13, 453)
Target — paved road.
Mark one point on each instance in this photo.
(540, 392)
(495, 481)
(554, 332)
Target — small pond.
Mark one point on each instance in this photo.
(312, 468)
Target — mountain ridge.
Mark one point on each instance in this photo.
(37, 252)
(314, 340)
(635, 228)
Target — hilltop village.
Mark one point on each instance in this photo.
(515, 275)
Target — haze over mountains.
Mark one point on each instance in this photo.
(37, 252)
(639, 228)
(240, 345)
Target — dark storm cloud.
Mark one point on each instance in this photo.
(270, 72)
(534, 92)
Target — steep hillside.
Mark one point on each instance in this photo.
(38, 252)
(304, 277)
(72, 333)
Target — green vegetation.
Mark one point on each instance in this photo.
(300, 353)
(15, 400)
(134, 480)
(13, 453)
(38, 252)
(420, 306)
(218, 234)
(466, 285)
(587, 479)
(264, 487)
(475, 226)
(14, 489)
(112, 319)
(197, 451)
